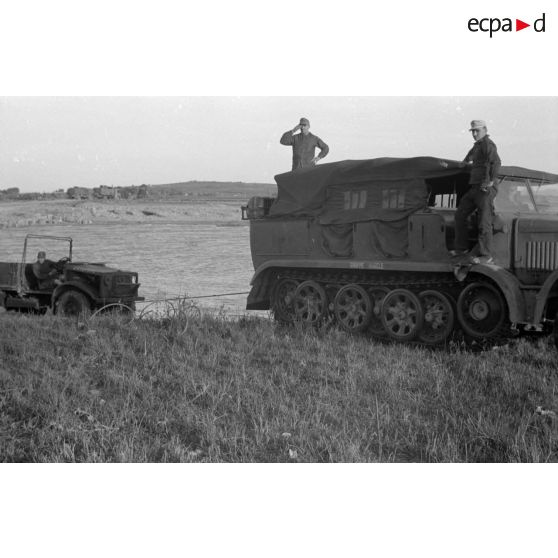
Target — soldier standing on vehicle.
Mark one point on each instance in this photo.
(485, 163)
(45, 271)
(304, 145)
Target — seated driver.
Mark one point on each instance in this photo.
(46, 272)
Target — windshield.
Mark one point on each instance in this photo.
(546, 197)
(513, 196)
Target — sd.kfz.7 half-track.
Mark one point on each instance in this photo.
(367, 243)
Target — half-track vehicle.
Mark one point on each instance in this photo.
(367, 243)
(80, 287)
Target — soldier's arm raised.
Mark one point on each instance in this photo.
(288, 138)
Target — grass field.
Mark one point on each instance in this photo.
(206, 388)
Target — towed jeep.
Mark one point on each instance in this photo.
(368, 243)
(79, 288)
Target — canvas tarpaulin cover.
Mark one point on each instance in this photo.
(383, 191)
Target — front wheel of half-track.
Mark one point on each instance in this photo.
(482, 311)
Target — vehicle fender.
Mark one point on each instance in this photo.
(260, 294)
(73, 285)
(258, 274)
(510, 287)
(542, 296)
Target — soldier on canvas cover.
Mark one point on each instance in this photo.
(304, 145)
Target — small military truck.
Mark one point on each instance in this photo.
(368, 244)
(78, 288)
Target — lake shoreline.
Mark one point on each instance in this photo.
(72, 212)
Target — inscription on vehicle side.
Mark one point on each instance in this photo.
(366, 265)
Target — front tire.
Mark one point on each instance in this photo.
(482, 311)
(73, 303)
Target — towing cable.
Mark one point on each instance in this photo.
(149, 303)
(194, 297)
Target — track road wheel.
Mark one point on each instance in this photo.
(438, 319)
(377, 295)
(401, 314)
(352, 308)
(73, 303)
(310, 303)
(481, 310)
(555, 330)
(282, 300)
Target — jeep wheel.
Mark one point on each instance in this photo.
(73, 303)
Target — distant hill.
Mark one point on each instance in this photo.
(213, 189)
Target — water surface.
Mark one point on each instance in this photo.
(172, 259)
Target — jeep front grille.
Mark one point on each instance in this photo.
(541, 255)
(124, 280)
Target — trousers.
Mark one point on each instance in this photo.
(476, 199)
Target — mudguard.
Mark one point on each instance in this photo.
(76, 285)
(279, 264)
(542, 296)
(510, 287)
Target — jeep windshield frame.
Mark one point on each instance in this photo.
(47, 237)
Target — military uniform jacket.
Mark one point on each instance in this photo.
(304, 148)
(485, 159)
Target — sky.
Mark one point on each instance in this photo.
(48, 142)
